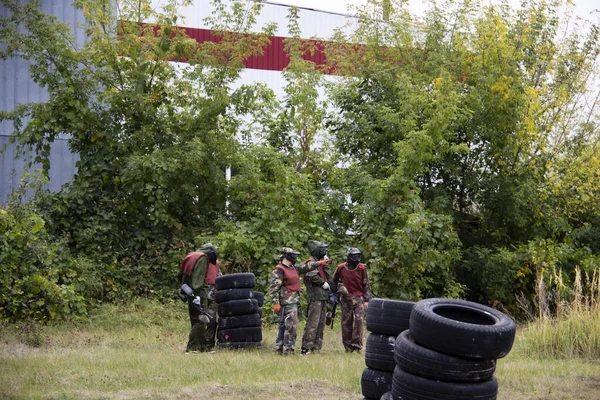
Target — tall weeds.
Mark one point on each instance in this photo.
(567, 317)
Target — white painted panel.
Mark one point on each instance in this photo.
(313, 23)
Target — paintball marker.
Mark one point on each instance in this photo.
(330, 316)
(186, 293)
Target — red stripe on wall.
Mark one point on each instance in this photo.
(274, 57)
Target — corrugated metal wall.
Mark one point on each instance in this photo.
(16, 87)
(62, 167)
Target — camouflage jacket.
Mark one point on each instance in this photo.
(278, 292)
(314, 283)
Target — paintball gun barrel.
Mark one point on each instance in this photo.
(330, 316)
(186, 293)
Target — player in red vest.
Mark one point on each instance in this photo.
(285, 296)
(199, 270)
(352, 283)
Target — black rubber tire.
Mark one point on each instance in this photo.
(240, 321)
(462, 328)
(411, 387)
(248, 334)
(388, 317)
(379, 352)
(375, 383)
(235, 281)
(237, 307)
(260, 297)
(427, 363)
(239, 345)
(224, 295)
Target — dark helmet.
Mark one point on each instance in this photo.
(211, 252)
(289, 254)
(353, 256)
(353, 250)
(317, 249)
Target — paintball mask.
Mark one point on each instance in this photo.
(322, 252)
(211, 252)
(317, 250)
(353, 256)
(212, 256)
(289, 254)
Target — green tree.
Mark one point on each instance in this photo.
(472, 112)
(154, 139)
(280, 194)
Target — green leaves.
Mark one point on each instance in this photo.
(272, 205)
(412, 250)
(154, 139)
(452, 149)
(38, 274)
(461, 120)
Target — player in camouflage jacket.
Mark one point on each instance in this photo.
(317, 284)
(199, 270)
(285, 296)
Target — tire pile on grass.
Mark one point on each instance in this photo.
(239, 310)
(449, 351)
(386, 319)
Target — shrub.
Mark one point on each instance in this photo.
(38, 275)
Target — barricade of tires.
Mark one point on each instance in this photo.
(386, 319)
(239, 310)
(449, 351)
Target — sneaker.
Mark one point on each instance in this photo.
(305, 352)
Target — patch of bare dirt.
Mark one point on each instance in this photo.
(308, 390)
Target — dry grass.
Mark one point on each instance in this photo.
(136, 352)
(567, 322)
(528, 378)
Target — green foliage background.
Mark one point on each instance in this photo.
(459, 151)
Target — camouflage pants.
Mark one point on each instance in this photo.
(202, 336)
(312, 339)
(353, 315)
(288, 329)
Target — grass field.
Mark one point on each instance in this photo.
(137, 352)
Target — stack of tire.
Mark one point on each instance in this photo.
(386, 319)
(239, 310)
(450, 351)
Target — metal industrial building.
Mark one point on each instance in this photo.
(16, 86)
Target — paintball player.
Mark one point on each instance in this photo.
(199, 270)
(352, 283)
(285, 296)
(317, 284)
